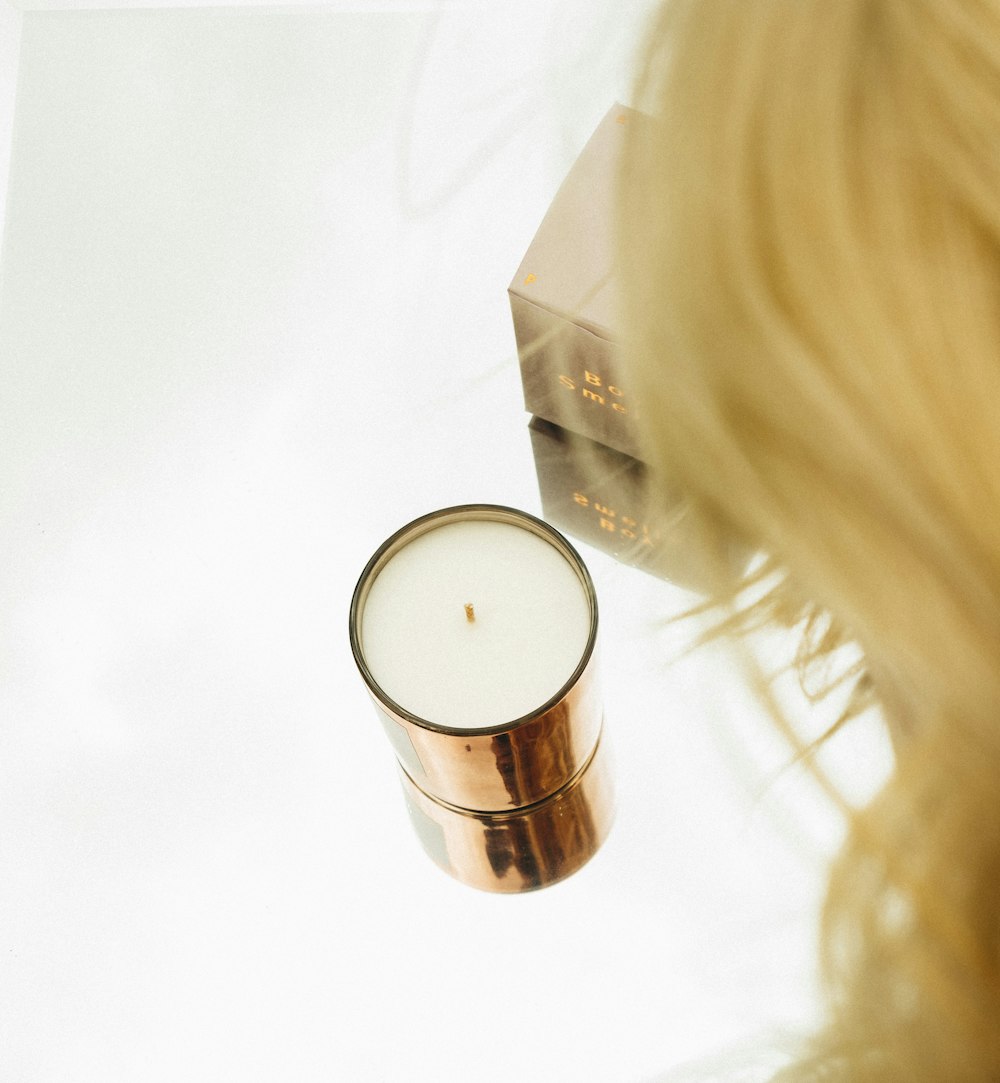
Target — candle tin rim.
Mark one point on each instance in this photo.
(456, 513)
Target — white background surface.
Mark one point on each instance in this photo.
(253, 319)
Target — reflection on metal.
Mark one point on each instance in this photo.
(521, 850)
(512, 807)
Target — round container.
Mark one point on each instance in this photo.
(520, 802)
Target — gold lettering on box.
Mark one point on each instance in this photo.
(595, 380)
(630, 529)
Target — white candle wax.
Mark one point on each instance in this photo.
(531, 626)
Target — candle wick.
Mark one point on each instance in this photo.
(470, 613)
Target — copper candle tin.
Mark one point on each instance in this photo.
(509, 807)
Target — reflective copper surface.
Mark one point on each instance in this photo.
(502, 769)
(525, 849)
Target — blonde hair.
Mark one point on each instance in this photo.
(811, 258)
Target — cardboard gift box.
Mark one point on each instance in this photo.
(563, 302)
(584, 437)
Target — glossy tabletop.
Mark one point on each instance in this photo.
(253, 319)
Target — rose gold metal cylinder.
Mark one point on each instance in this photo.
(510, 807)
(521, 850)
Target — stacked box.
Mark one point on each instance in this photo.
(576, 384)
